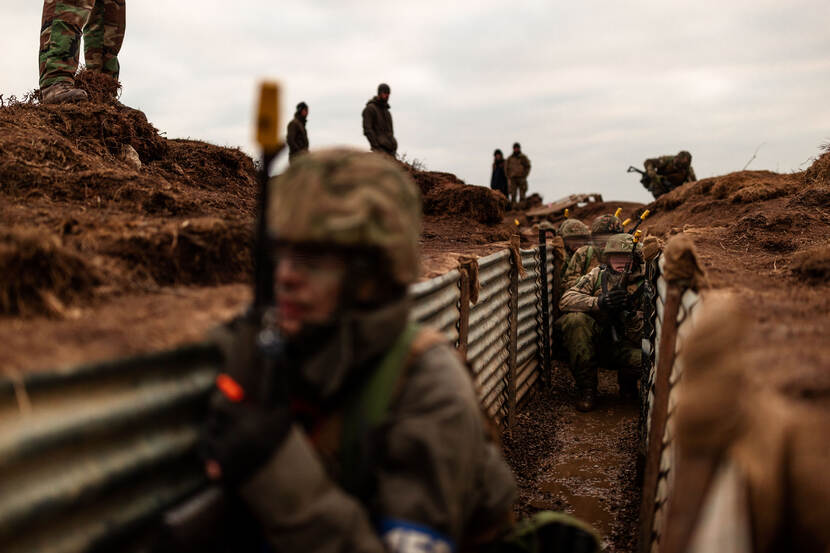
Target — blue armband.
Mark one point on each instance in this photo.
(402, 536)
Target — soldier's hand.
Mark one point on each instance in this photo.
(613, 300)
(239, 437)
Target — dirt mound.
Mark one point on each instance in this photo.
(39, 274)
(179, 214)
(813, 265)
(445, 194)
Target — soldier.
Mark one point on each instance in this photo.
(517, 169)
(498, 180)
(588, 256)
(575, 234)
(596, 312)
(377, 123)
(101, 22)
(296, 136)
(379, 444)
(665, 173)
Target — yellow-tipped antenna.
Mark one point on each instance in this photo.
(567, 213)
(516, 221)
(268, 117)
(617, 213)
(644, 215)
(626, 222)
(637, 236)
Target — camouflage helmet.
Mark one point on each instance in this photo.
(683, 159)
(573, 227)
(351, 199)
(606, 224)
(619, 243)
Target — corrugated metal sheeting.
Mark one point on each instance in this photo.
(89, 454)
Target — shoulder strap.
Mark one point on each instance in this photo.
(369, 406)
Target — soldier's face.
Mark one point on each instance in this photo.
(308, 287)
(384, 96)
(619, 261)
(304, 113)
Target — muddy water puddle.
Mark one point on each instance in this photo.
(581, 463)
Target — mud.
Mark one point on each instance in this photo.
(581, 463)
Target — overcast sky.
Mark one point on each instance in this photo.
(588, 87)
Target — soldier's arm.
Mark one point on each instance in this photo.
(691, 177)
(580, 297)
(651, 167)
(574, 269)
(292, 137)
(527, 165)
(369, 127)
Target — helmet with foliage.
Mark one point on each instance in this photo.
(573, 227)
(619, 243)
(349, 199)
(606, 224)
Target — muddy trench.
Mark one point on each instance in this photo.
(581, 463)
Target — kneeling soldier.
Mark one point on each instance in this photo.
(603, 321)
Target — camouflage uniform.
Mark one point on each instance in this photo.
(665, 173)
(296, 137)
(571, 228)
(427, 472)
(102, 24)
(580, 263)
(586, 330)
(517, 168)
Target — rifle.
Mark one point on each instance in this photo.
(623, 284)
(196, 524)
(645, 179)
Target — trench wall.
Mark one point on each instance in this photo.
(676, 308)
(89, 455)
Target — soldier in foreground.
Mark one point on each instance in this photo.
(100, 22)
(375, 441)
(665, 173)
(377, 123)
(296, 136)
(517, 168)
(603, 322)
(589, 255)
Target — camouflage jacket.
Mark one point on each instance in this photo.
(584, 295)
(517, 166)
(377, 126)
(436, 477)
(296, 137)
(662, 168)
(582, 261)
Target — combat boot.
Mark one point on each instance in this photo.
(586, 399)
(61, 93)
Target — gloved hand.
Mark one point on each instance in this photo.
(613, 300)
(242, 436)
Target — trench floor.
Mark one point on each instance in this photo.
(581, 463)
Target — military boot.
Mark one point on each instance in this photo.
(60, 93)
(586, 398)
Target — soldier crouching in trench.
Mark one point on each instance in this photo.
(603, 322)
(375, 441)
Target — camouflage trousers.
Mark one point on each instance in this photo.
(589, 345)
(517, 184)
(100, 22)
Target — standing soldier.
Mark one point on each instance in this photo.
(518, 168)
(603, 324)
(588, 256)
(665, 173)
(296, 136)
(377, 123)
(101, 22)
(498, 180)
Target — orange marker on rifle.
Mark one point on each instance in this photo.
(230, 388)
